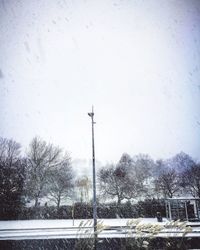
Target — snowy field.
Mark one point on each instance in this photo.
(33, 224)
(58, 229)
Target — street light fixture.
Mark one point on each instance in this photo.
(94, 182)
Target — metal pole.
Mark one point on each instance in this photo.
(94, 182)
(186, 212)
(196, 208)
(170, 212)
(166, 209)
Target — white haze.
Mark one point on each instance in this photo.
(137, 62)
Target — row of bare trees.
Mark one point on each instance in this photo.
(46, 171)
(140, 177)
(172, 182)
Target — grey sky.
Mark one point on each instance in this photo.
(137, 62)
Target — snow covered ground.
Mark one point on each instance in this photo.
(55, 229)
(33, 224)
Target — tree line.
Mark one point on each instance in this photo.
(139, 176)
(45, 171)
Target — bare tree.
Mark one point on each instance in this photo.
(116, 182)
(11, 187)
(9, 150)
(60, 183)
(190, 180)
(12, 176)
(110, 184)
(126, 161)
(180, 162)
(83, 185)
(167, 183)
(144, 167)
(42, 158)
(144, 162)
(128, 179)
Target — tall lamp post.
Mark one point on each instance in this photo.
(94, 182)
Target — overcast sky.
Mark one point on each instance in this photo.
(137, 62)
